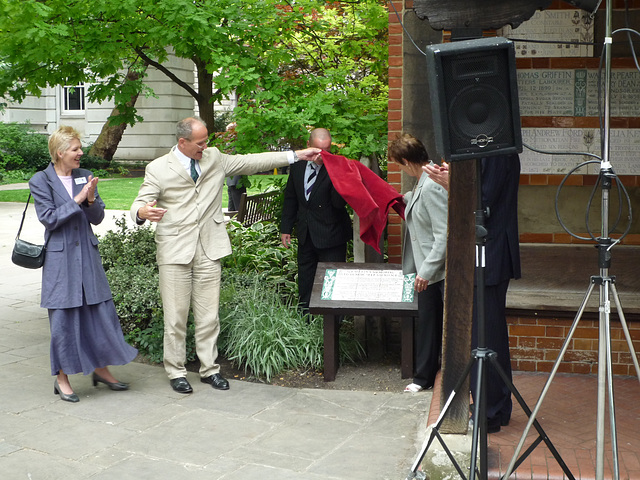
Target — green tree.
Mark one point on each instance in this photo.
(281, 59)
(337, 79)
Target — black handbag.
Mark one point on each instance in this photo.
(25, 254)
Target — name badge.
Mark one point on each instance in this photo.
(80, 180)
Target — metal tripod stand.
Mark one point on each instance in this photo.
(482, 357)
(606, 284)
(607, 287)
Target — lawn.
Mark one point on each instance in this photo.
(119, 193)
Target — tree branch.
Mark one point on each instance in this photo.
(168, 73)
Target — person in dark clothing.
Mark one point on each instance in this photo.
(319, 213)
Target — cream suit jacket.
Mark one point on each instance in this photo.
(194, 211)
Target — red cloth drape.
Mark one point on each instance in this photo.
(369, 195)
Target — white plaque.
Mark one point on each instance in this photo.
(624, 152)
(368, 285)
(575, 93)
(561, 25)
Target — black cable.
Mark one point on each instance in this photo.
(405, 30)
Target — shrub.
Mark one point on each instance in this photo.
(128, 257)
(262, 334)
(262, 329)
(23, 148)
(265, 336)
(257, 250)
(128, 246)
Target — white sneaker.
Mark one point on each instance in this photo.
(413, 388)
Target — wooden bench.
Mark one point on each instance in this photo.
(555, 279)
(256, 208)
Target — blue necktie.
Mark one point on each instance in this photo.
(194, 172)
(311, 179)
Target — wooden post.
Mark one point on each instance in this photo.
(458, 292)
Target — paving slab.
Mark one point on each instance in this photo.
(252, 431)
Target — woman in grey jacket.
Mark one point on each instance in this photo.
(424, 250)
(85, 329)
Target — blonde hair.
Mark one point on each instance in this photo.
(60, 140)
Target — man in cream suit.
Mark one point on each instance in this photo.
(182, 192)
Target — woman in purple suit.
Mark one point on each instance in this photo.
(85, 329)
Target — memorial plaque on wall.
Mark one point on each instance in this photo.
(560, 25)
(624, 150)
(574, 93)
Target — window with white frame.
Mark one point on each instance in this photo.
(73, 99)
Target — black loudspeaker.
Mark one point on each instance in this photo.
(474, 98)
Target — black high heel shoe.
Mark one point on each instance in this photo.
(67, 398)
(112, 385)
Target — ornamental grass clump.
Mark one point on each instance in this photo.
(265, 336)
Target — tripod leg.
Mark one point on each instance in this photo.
(605, 379)
(479, 424)
(554, 370)
(454, 393)
(625, 328)
(542, 434)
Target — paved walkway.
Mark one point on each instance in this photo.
(252, 431)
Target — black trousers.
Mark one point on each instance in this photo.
(427, 334)
(498, 395)
(234, 196)
(308, 258)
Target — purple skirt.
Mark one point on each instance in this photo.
(86, 338)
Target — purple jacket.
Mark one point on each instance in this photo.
(72, 263)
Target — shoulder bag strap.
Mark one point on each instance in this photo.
(23, 215)
(22, 221)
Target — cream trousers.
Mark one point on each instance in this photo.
(196, 284)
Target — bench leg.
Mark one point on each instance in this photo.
(331, 347)
(406, 347)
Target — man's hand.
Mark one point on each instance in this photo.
(439, 174)
(285, 238)
(151, 213)
(310, 154)
(420, 284)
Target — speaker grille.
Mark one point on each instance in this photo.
(474, 94)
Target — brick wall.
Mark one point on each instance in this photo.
(536, 343)
(395, 123)
(535, 340)
(394, 228)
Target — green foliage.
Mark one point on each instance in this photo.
(337, 79)
(262, 329)
(128, 246)
(93, 162)
(265, 335)
(291, 65)
(257, 251)
(22, 148)
(14, 176)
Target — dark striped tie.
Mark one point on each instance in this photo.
(311, 179)
(194, 172)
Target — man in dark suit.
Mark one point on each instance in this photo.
(319, 213)
(500, 180)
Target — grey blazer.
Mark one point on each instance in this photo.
(72, 262)
(425, 240)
